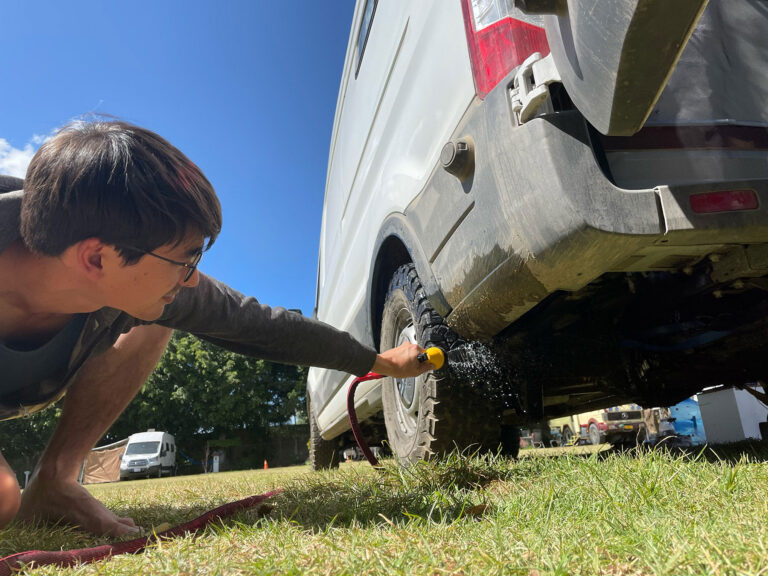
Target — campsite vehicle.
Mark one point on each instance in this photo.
(615, 425)
(149, 453)
(582, 187)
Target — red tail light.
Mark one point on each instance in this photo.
(725, 201)
(497, 42)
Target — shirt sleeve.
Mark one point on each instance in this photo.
(215, 312)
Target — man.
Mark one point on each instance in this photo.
(98, 263)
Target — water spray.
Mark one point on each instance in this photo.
(470, 364)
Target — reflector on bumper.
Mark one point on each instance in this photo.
(724, 201)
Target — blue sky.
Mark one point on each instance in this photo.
(246, 88)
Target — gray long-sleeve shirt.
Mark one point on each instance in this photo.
(212, 311)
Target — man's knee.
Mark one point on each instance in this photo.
(10, 496)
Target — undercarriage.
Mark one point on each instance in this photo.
(653, 338)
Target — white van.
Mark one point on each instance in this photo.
(149, 453)
(581, 186)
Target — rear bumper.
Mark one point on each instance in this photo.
(540, 215)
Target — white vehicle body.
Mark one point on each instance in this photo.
(415, 48)
(603, 206)
(149, 453)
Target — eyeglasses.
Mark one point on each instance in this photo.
(190, 266)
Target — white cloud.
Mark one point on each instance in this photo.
(14, 161)
(39, 139)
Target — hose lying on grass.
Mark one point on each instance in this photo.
(65, 558)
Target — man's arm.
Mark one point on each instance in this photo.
(217, 313)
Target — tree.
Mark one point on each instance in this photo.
(197, 391)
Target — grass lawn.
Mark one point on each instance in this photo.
(551, 512)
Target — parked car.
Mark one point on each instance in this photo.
(584, 191)
(149, 453)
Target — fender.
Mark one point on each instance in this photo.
(396, 244)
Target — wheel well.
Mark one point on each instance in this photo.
(392, 254)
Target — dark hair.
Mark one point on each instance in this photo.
(117, 182)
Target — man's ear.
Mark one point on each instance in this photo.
(89, 256)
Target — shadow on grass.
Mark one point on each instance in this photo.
(447, 489)
(437, 491)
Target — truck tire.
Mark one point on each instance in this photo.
(322, 453)
(594, 434)
(430, 414)
(567, 435)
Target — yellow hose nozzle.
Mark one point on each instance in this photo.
(434, 355)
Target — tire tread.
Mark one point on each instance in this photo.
(459, 418)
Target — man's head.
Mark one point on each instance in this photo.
(117, 182)
(121, 204)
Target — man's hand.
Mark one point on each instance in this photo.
(402, 362)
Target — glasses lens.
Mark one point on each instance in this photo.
(192, 266)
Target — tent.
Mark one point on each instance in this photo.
(103, 463)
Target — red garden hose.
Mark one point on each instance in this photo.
(353, 416)
(64, 558)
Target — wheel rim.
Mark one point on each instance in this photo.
(407, 389)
